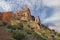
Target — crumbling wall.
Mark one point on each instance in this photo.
(6, 17)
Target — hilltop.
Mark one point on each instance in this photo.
(21, 25)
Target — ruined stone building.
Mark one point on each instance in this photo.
(37, 20)
(23, 14)
(5, 16)
(1, 15)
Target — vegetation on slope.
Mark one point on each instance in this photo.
(23, 31)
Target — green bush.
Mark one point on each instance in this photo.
(29, 31)
(18, 35)
(34, 34)
(11, 27)
(20, 25)
(37, 36)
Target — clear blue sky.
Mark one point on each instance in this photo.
(48, 10)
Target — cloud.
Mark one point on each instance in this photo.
(12, 4)
(5, 6)
(54, 17)
(51, 3)
(56, 27)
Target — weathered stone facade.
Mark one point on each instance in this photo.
(37, 20)
(1, 15)
(5, 16)
(23, 14)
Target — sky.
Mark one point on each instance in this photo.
(47, 10)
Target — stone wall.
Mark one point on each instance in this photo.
(6, 17)
(23, 14)
(37, 20)
(1, 15)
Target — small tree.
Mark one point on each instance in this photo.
(18, 35)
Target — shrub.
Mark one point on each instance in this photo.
(18, 35)
(29, 31)
(11, 27)
(14, 27)
(20, 25)
(38, 36)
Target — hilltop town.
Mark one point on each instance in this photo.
(24, 26)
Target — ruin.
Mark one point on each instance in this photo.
(5, 16)
(37, 20)
(23, 14)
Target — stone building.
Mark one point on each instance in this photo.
(6, 17)
(32, 18)
(23, 14)
(37, 20)
(18, 15)
(26, 12)
(1, 15)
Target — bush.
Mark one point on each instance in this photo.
(11, 27)
(29, 31)
(34, 34)
(38, 36)
(20, 25)
(18, 35)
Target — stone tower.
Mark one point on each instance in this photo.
(26, 12)
(37, 20)
(23, 14)
(17, 14)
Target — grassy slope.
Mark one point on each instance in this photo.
(23, 31)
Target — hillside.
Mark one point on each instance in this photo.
(21, 25)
